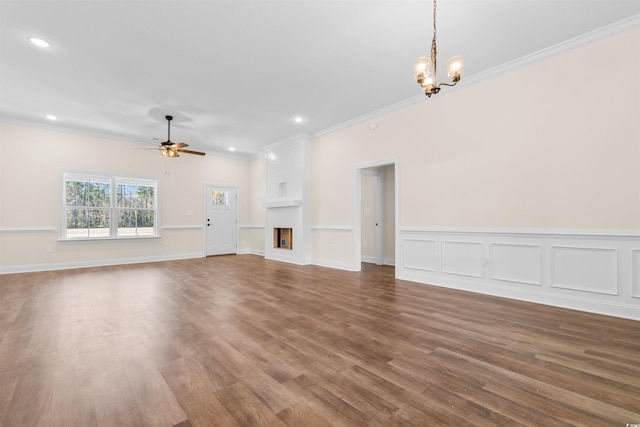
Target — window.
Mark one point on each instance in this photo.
(99, 206)
(220, 198)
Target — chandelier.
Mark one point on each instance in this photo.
(422, 67)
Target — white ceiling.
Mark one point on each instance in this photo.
(235, 73)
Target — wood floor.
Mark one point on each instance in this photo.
(239, 340)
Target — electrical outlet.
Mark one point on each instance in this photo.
(50, 248)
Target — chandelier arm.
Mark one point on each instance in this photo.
(448, 84)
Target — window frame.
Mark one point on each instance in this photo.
(114, 180)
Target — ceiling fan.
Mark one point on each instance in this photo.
(171, 149)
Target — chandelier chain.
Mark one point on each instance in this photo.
(434, 48)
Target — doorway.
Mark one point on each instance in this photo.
(221, 219)
(376, 213)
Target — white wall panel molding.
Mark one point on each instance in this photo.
(585, 269)
(421, 254)
(7, 230)
(518, 263)
(250, 226)
(331, 228)
(462, 258)
(181, 227)
(635, 260)
(632, 234)
(590, 271)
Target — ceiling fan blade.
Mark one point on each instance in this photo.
(180, 145)
(191, 152)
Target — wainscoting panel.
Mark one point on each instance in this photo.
(595, 271)
(585, 269)
(462, 258)
(421, 254)
(516, 263)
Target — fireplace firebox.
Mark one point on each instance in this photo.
(283, 238)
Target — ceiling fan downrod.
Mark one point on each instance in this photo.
(169, 118)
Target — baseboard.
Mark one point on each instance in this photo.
(95, 263)
(250, 252)
(333, 264)
(373, 260)
(608, 308)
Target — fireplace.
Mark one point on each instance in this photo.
(283, 238)
(287, 201)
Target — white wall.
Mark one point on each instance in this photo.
(252, 231)
(31, 161)
(547, 149)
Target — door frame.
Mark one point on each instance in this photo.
(357, 206)
(204, 214)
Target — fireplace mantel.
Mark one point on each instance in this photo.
(283, 204)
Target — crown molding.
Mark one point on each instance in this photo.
(293, 139)
(113, 137)
(627, 24)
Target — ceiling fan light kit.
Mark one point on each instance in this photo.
(170, 149)
(422, 66)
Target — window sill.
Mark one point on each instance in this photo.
(109, 239)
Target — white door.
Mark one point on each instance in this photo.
(371, 225)
(221, 220)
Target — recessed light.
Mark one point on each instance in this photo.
(51, 117)
(298, 119)
(232, 149)
(39, 42)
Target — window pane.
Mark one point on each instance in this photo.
(99, 194)
(146, 223)
(146, 197)
(99, 223)
(77, 222)
(135, 196)
(133, 222)
(220, 198)
(76, 193)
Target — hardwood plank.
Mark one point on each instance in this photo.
(302, 415)
(270, 392)
(246, 408)
(240, 340)
(32, 396)
(155, 401)
(72, 400)
(188, 381)
(114, 401)
(327, 404)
